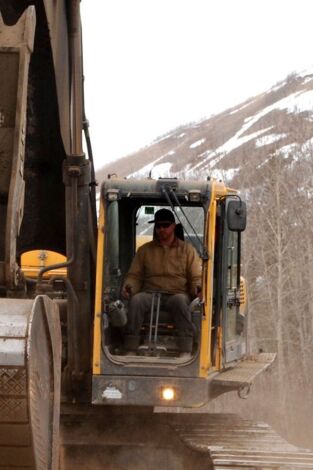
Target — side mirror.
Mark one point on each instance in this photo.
(236, 215)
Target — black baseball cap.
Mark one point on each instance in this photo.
(163, 215)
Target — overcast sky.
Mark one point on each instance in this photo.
(152, 65)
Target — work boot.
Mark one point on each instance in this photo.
(185, 346)
(185, 355)
(132, 343)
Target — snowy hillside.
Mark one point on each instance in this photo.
(278, 120)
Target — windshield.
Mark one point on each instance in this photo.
(195, 216)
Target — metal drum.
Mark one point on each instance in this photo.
(30, 354)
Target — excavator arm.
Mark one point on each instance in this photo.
(32, 191)
(15, 55)
(47, 200)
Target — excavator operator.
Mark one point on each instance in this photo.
(166, 265)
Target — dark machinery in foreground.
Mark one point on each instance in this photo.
(61, 333)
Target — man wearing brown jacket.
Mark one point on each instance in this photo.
(168, 265)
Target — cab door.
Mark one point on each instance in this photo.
(234, 323)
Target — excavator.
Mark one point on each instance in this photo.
(71, 395)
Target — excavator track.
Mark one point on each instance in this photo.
(134, 438)
(234, 443)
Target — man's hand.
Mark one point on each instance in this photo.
(127, 292)
(198, 292)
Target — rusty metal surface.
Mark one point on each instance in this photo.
(16, 44)
(30, 349)
(57, 20)
(8, 86)
(43, 225)
(236, 443)
(241, 376)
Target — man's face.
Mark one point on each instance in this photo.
(164, 229)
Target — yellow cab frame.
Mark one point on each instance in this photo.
(126, 204)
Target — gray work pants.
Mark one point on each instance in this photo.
(176, 304)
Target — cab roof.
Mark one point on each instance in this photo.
(151, 188)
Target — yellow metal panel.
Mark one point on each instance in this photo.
(33, 261)
(99, 288)
(243, 296)
(207, 289)
(219, 190)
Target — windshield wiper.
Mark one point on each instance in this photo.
(201, 249)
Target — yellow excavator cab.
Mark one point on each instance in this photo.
(210, 217)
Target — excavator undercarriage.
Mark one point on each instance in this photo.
(109, 437)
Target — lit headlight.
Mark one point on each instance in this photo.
(168, 393)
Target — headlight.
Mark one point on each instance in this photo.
(168, 393)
